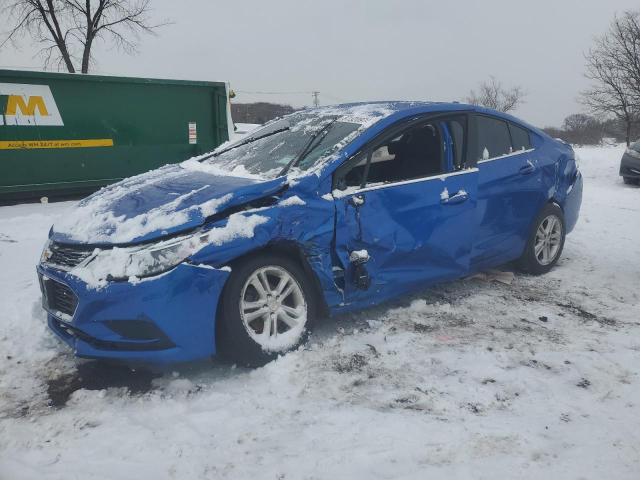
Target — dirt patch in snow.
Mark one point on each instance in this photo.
(350, 363)
(98, 376)
(586, 315)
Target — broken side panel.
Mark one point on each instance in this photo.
(413, 233)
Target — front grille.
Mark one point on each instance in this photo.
(59, 297)
(67, 256)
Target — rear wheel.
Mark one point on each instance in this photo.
(268, 308)
(546, 241)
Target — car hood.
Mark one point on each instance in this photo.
(166, 201)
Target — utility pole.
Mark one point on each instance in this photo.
(316, 100)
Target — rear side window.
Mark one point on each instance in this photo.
(519, 137)
(492, 138)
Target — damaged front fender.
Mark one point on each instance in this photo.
(301, 219)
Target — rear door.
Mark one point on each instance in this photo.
(509, 189)
(406, 203)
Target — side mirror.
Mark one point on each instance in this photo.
(341, 184)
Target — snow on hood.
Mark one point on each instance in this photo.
(169, 200)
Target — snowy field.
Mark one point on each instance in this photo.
(470, 379)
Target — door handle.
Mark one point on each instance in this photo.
(527, 169)
(455, 199)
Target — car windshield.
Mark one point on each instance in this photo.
(297, 141)
(636, 146)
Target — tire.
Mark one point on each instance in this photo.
(630, 181)
(240, 330)
(548, 244)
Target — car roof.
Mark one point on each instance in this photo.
(387, 108)
(390, 111)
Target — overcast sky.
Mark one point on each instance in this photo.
(369, 50)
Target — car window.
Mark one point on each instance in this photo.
(492, 138)
(635, 146)
(327, 144)
(416, 152)
(520, 138)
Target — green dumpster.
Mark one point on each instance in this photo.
(67, 133)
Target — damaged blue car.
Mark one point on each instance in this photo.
(239, 252)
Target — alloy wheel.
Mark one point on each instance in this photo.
(548, 240)
(273, 308)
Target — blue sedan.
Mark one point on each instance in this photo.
(239, 252)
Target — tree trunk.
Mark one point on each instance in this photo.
(66, 58)
(88, 39)
(86, 56)
(56, 33)
(628, 136)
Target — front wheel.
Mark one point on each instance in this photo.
(268, 308)
(545, 243)
(630, 181)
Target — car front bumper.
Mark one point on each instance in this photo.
(630, 166)
(164, 319)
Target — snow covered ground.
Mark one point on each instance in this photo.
(470, 379)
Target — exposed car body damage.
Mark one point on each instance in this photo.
(423, 230)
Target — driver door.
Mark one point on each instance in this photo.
(407, 203)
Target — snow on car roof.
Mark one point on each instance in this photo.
(364, 112)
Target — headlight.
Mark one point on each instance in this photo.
(632, 152)
(139, 261)
(157, 258)
(131, 263)
(46, 252)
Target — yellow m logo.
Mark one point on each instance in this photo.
(28, 106)
(17, 102)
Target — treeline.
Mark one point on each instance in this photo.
(258, 112)
(613, 98)
(613, 66)
(582, 129)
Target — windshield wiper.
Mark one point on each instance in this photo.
(244, 142)
(308, 148)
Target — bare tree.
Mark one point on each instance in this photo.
(582, 129)
(492, 94)
(68, 29)
(613, 66)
